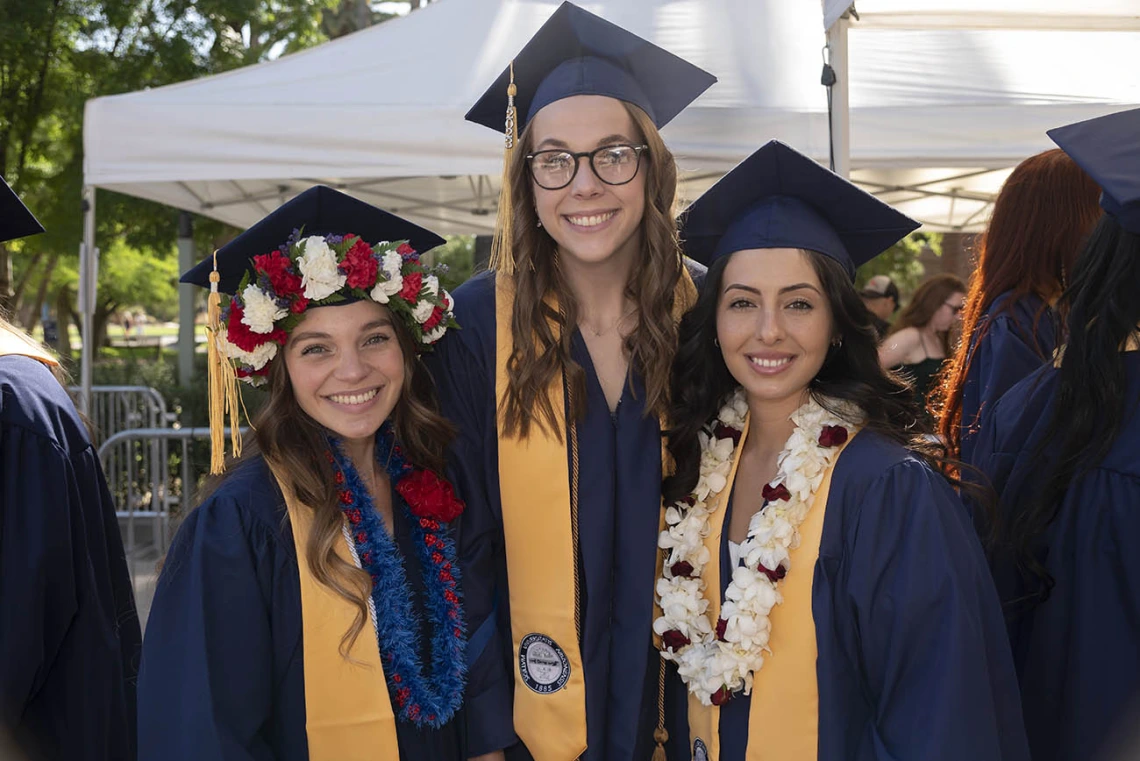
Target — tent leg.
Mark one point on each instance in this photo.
(88, 272)
(840, 126)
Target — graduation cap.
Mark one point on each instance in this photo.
(320, 210)
(780, 198)
(1108, 149)
(578, 53)
(15, 219)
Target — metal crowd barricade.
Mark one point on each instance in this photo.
(152, 476)
(121, 408)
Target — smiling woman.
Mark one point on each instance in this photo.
(309, 608)
(822, 593)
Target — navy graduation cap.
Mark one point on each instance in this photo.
(779, 198)
(578, 53)
(15, 219)
(1108, 149)
(320, 210)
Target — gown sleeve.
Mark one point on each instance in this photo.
(38, 572)
(461, 369)
(206, 683)
(932, 643)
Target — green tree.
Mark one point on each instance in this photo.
(900, 261)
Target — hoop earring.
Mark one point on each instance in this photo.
(716, 342)
(837, 343)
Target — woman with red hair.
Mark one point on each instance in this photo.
(1044, 211)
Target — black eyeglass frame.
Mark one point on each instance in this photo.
(637, 149)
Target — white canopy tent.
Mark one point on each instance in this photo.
(937, 117)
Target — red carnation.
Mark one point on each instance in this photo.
(674, 640)
(832, 436)
(404, 249)
(723, 431)
(721, 626)
(300, 304)
(412, 285)
(681, 569)
(279, 268)
(721, 696)
(773, 493)
(429, 496)
(435, 319)
(773, 576)
(239, 334)
(359, 265)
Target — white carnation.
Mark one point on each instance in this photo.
(256, 359)
(423, 310)
(435, 334)
(431, 285)
(318, 266)
(261, 310)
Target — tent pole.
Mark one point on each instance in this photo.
(88, 271)
(840, 126)
(186, 298)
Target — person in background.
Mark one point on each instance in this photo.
(824, 595)
(1045, 210)
(557, 384)
(918, 344)
(69, 632)
(1061, 448)
(881, 297)
(308, 609)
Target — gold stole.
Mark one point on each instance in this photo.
(348, 715)
(15, 344)
(534, 487)
(783, 719)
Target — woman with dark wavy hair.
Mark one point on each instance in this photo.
(822, 593)
(1045, 209)
(1062, 449)
(557, 383)
(308, 609)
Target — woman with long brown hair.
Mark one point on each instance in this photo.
(308, 609)
(919, 341)
(557, 383)
(1045, 209)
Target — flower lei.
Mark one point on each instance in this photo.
(426, 698)
(718, 661)
(320, 270)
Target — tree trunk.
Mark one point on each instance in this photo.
(63, 307)
(22, 283)
(6, 302)
(32, 316)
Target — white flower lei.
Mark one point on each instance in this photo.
(714, 667)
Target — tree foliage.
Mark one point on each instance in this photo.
(900, 261)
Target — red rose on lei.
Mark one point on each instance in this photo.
(727, 432)
(674, 640)
(429, 496)
(832, 436)
(359, 265)
(721, 628)
(773, 493)
(412, 285)
(239, 334)
(278, 268)
(682, 569)
(721, 696)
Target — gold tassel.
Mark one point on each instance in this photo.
(501, 258)
(660, 735)
(221, 379)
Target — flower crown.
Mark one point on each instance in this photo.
(322, 270)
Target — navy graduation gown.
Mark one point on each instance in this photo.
(1021, 337)
(619, 506)
(222, 673)
(912, 657)
(1076, 654)
(69, 633)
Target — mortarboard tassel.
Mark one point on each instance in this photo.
(222, 388)
(501, 255)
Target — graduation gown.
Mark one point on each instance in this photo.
(222, 674)
(1077, 654)
(619, 507)
(1016, 343)
(912, 657)
(69, 633)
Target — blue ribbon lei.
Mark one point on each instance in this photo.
(426, 700)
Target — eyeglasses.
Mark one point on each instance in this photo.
(955, 308)
(612, 164)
